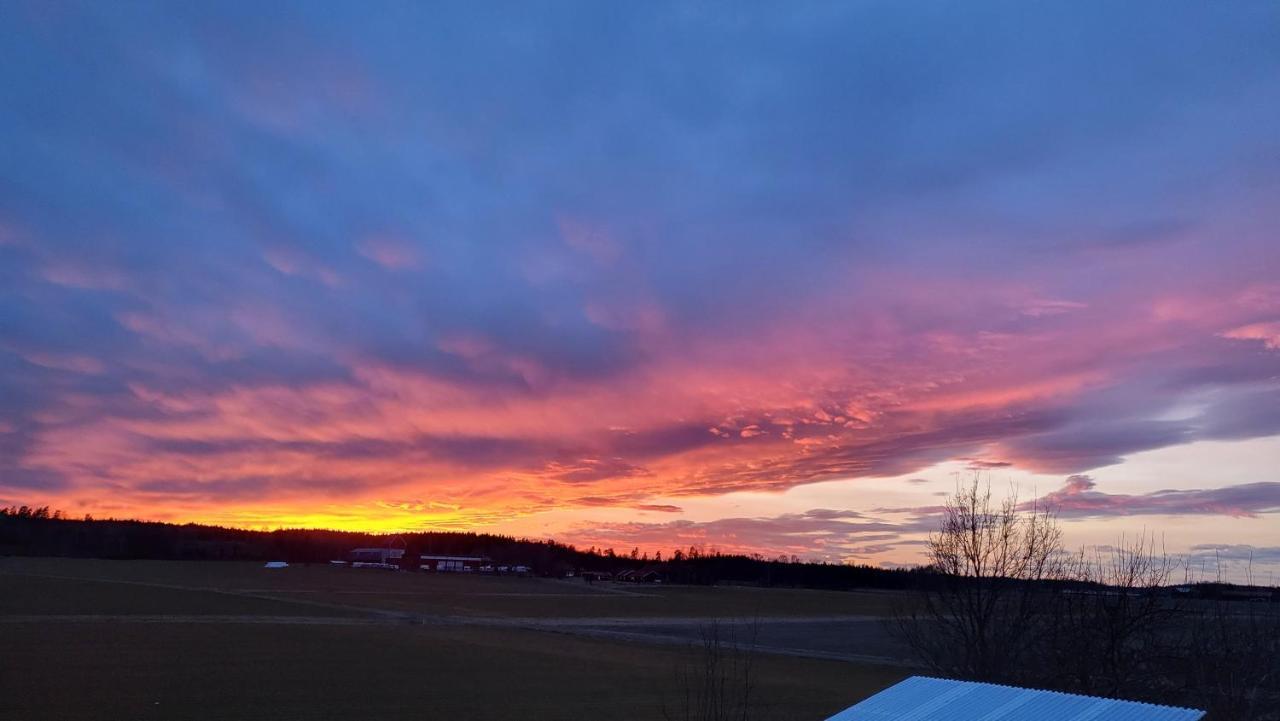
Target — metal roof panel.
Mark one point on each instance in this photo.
(921, 698)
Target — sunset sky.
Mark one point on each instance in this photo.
(757, 277)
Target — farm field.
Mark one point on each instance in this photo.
(89, 639)
(458, 594)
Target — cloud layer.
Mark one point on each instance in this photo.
(266, 263)
(1079, 499)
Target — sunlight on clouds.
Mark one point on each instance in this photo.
(424, 277)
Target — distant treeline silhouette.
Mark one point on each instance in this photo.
(28, 531)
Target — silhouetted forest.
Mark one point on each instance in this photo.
(40, 531)
(26, 531)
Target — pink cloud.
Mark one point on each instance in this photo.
(73, 274)
(291, 261)
(885, 382)
(1047, 307)
(818, 534)
(69, 362)
(1268, 333)
(391, 252)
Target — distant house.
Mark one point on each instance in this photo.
(647, 574)
(933, 699)
(452, 564)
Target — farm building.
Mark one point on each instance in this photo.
(451, 564)
(375, 555)
(933, 699)
(648, 574)
(388, 558)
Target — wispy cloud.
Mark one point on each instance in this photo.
(818, 534)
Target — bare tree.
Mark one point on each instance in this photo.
(1108, 622)
(1005, 603)
(979, 620)
(716, 683)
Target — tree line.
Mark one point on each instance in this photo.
(40, 531)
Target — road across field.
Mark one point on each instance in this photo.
(852, 638)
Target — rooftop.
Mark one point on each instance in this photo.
(933, 699)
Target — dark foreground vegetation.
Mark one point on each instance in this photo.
(1013, 606)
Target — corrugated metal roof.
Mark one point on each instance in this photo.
(934, 699)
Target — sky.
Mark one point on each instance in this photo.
(755, 277)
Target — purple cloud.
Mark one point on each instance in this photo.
(818, 534)
(659, 508)
(1078, 499)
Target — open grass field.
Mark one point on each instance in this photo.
(428, 593)
(89, 639)
(62, 596)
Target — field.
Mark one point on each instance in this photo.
(87, 639)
